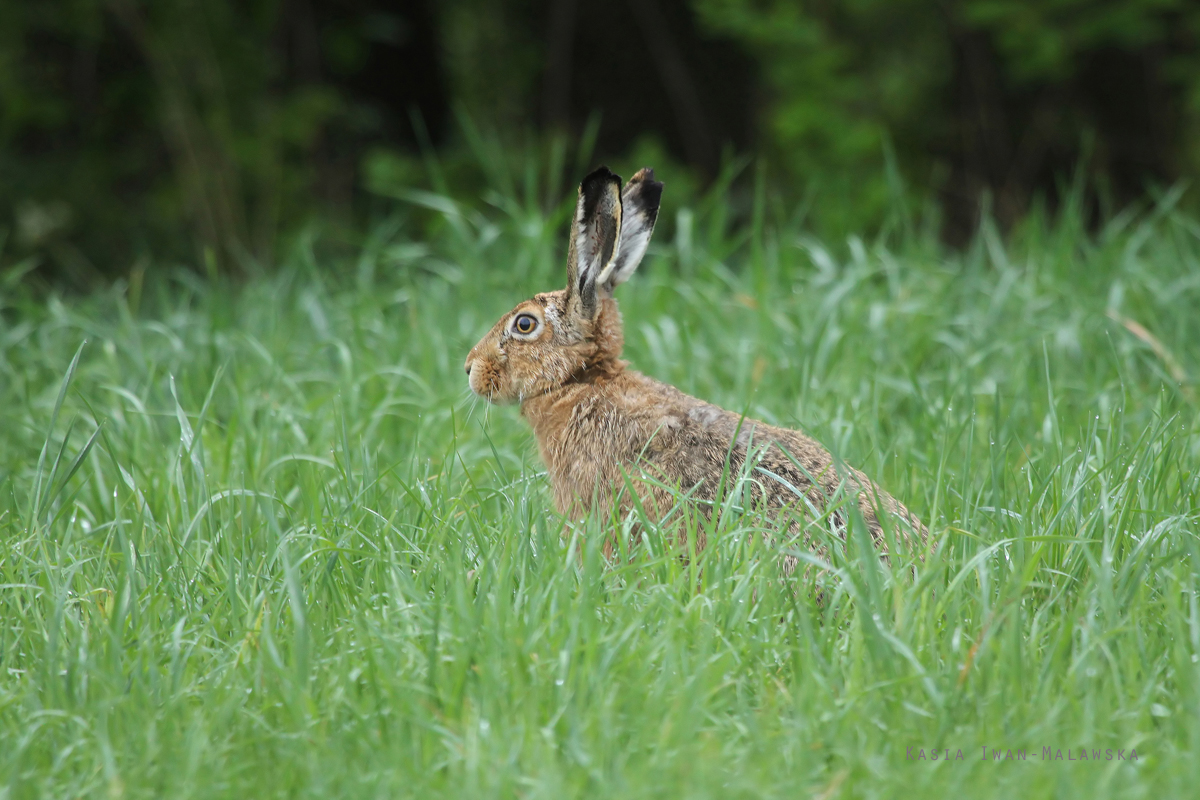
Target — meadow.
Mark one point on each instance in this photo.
(256, 539)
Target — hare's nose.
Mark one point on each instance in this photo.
(467, 367)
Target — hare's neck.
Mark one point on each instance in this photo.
(608, 334)
(555, 416)
(574, 425)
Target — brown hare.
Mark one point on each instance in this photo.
(559, 356)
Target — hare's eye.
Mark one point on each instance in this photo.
(525, 324)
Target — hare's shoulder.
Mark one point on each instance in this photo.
(671, 419)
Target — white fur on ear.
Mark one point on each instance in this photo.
(596, 237)
(639, 200)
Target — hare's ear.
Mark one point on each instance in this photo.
(639, 210)
(595, 239)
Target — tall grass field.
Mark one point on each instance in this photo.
(258, 540)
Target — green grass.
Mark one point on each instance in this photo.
(259, 542)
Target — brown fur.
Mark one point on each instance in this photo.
(597, 421)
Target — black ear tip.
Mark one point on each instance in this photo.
(644, 181)
(652, 191)
(646, 190)
(599, 175)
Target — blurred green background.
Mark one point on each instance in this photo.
(136, 132)
(257, 538)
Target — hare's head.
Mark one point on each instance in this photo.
(569, 335)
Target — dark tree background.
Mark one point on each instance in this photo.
(131, 128)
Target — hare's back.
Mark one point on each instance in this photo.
(691, 443)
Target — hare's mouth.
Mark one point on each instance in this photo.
(473, 375)
(483, 381)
